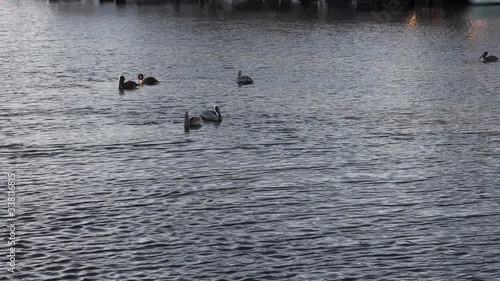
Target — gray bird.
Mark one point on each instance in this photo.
(147, 80)
(243, 80)
(487, 58)
(129, 85)
(212, 115)
(191, 121)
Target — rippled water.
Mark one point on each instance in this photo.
(367, 149)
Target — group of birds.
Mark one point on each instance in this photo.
(195, 121)
(131, 85)
(487, 59)
(190, 121)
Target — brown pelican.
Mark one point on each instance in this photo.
(487, 58)
(243, 80)
(129, 85)
(191, 121)
(147, 81)
(212, 115)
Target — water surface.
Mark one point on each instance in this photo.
(367, 149)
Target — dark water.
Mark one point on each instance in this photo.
(367, 149)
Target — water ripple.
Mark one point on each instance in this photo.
(366, 151)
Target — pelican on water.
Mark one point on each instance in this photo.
(191, 121)
(129, 85)
(487, 58)
(212, 115)
(243, 80)
(147, 81)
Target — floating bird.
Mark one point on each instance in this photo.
(243, 80)
(129, 85)
(147, 81)
(487, 58)
(191, 121)
(212, 115)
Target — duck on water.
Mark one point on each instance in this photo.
(243, 80)
(147, 80)
(212, 115)
(487, 58)
(129, 85)
(191, 121)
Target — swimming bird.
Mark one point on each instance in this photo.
(129, 85)
(212, 115)
(243, 80)
(487, 58)
(147, 81)
(191, 121)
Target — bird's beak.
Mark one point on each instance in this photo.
(480, 57)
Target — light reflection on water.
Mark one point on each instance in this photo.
(367, 149)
